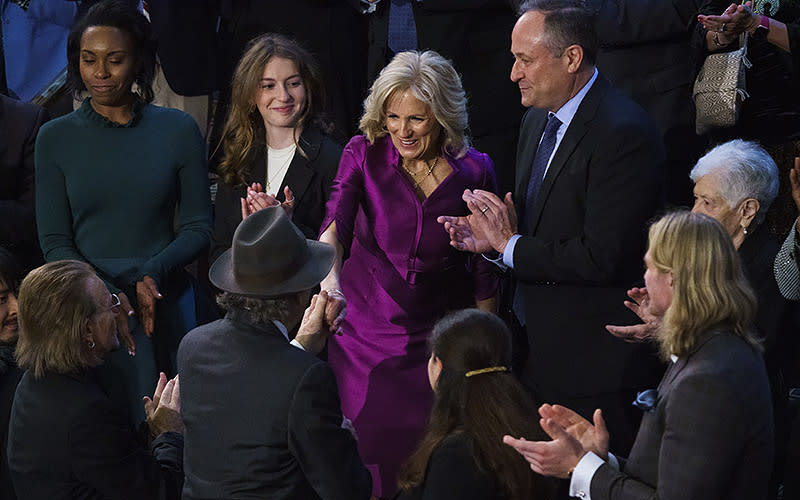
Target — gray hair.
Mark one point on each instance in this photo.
(567, 22)
(432, 79)
(257, 310)
(747, 172)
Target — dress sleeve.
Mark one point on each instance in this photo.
(193, 232)
(347, 192)
(53, 212)
(226, 219)
(326, 452)
(485, 272)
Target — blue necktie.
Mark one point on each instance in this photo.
(402, 30)
(546, 147)
(540, 161)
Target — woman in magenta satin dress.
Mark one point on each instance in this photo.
(395, 265)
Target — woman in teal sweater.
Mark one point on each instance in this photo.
(122, 185)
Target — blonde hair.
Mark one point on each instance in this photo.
(709, 289)
(432, 79)
(244, 123)
(54, 305)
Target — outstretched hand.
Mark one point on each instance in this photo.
(490, 225)
(556, 458)
(640, 305)
(312, 334)
(593, 438)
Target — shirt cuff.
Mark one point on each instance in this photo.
(508, 251)
(581, 482)
(612, 461)
(297, 344)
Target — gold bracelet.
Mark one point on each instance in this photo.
(715, 38)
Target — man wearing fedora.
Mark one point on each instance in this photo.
(262, 416)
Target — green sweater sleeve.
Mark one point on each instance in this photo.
(53, 214)
(193, 225)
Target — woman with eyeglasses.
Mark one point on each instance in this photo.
(707, 429)
(67, 438)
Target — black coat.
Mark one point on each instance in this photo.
(309, 178)
(19, 125)
(263, 418)
(67, 440)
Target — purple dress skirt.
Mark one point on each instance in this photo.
(400, 275)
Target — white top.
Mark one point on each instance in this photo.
(278, 161)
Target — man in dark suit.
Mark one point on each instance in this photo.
(262, 415)
(589, 175)
(19, 125)
(473, 34)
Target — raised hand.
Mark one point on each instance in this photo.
(163, 411)
(640, 305)
(593, 438)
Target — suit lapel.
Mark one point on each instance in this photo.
(300, 171)
(572, 139)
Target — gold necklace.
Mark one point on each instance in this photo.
(427, 174)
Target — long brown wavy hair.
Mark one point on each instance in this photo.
(244, 125)
(482, 408)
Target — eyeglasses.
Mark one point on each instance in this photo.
(114, 301)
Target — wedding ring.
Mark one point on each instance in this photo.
(484, 209)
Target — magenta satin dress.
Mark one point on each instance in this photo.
(400, 275)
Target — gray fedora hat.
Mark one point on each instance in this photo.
(270, 257)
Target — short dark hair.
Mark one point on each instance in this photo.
(567, 22)
(123, 16)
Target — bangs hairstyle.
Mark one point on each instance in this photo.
(567, 22)
(481, 408)
(745, 170)
(121, 15)
(432, 79)
(709, 289)
(54, 305)
(244, 125)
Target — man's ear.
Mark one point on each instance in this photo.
(574, 55)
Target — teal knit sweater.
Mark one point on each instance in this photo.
(132, 199)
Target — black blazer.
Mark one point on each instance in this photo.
(19, 125)
(709, 435)
(67, 440)
(583, 244)
(309, 179)
(263, 418)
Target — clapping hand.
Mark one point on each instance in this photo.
(572, 437)
(163, 412)
(640, 305)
